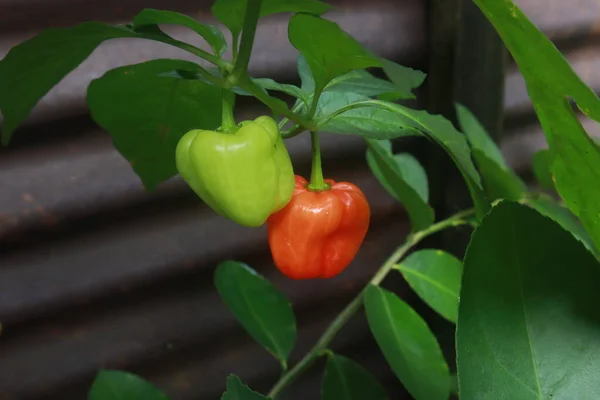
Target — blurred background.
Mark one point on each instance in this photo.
(97, 273)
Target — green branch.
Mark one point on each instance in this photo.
(248, 32)
(274, 104)
(337, 324)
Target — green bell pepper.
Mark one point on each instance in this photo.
(245, 175)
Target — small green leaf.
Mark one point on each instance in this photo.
(478, 136)
(328, 50)
(236, 390)
(147, 109)
(119, 385)
(499, 181)
(404, 78)
(398, 178)
(408, 345)
(565, 218)
(369, 122)
(435, 276)
(528, 323)
(213, 35)
(345, 379)
(270, 84)
(541, 162)
(231, 12)
(259, 306)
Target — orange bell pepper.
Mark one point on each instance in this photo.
(318, 233)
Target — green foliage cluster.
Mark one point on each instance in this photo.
(523, 297)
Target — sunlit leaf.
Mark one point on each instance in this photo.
(528, 324)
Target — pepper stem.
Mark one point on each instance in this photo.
(316, 175)
(227, 119)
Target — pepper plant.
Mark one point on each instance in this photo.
(524, 295)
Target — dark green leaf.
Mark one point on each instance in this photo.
(499, 180)
(435, 276)
(345, 379)
(405, 79)
(405, 121)
(236, 390)
(452, 141)
(270, 84)
(397, 178)
(147, 113)
(119, 385)
(528, 324)
(259, 306)
(231, 12)
(478, 136)
(576, 158)
(328, 50)
(213, 36)
(565, 218)
(370, 122)
(408, 345)
(542, 162)
(499, 183)
(33, 67)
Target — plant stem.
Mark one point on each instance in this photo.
(352, 307)
(227, 120)
(248, 32)
(316, 174)
(235, 42)
(273, 103)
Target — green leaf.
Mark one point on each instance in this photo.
(408, 345)
(576, 158)
(541, 162)
(33, 67)
(405, 79)
(308, 83)
(478, 136)
(212, 34)
(147, 110)
(435, 276)
(369, 122)
(362, 82)
(119, 385)
(500, 182)
(259, 306)
(236, 390)
(231, 12)
(345, 379)
(528, 324)
(270, 84)
(328, 50)
(404, 121)
(404, 179)
(565, 218)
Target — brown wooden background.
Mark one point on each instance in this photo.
(95, 272)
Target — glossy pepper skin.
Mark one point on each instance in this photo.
(245, 175)
(319, 232)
